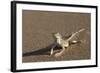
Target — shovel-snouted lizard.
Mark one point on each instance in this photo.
(64, 43)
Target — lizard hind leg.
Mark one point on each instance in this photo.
(74, 42)
(60, 53)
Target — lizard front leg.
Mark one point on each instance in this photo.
(60, 53)
(51, 52)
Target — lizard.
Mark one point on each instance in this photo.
(64, 43)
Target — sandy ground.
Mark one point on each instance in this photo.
(38, 27)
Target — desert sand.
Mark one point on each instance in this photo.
(37, 38)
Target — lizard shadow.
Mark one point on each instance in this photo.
(42, 51)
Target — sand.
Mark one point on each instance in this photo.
(37, 38)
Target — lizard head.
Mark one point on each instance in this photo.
(57, 35)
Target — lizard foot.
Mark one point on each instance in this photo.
(58, 54)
